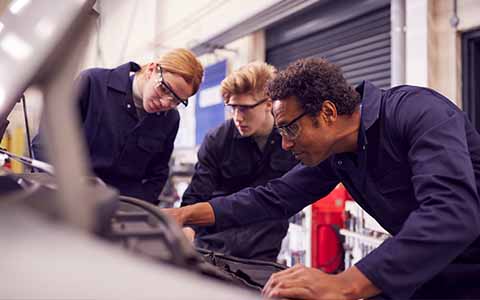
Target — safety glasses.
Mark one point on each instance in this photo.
(160, 83)
(291, 130)
(245, 108)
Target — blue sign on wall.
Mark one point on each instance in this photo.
(209, 108)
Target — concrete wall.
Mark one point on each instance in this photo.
(416, 64)
(433, 45)
(125, 31)
(187, 23)
(141, 29)
(444, 46)
(442, 54)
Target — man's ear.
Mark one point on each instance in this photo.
(328, 111)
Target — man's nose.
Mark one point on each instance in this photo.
(238, 115)
(287, 143)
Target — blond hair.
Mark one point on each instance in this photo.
(249, 79)
(182, 62)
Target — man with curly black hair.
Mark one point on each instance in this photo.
(407, 155)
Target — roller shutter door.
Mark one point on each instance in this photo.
(360, 45)
(471, 75)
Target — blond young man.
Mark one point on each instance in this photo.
(245, 151)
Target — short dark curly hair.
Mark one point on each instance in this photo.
(313, 81)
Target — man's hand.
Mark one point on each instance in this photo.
(189, 233)
(300, 282)
(177, 214)
(196, 214)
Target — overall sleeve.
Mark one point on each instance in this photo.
(279, 199)
(206, 178)
(158, 170)
(82, 84)
(447, 219)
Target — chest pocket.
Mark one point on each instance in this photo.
(137, 154)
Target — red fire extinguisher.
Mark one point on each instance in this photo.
(327, 219)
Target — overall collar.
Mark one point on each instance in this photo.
(119, 78)
(371, 97)
(370, 103)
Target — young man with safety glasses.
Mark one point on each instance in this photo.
(407, 155)
(245, 151)
(130, 121)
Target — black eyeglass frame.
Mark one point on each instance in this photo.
(284, 128)
(161, 81)
(247, 107)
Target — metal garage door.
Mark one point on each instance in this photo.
(471, 75)
(360, 45)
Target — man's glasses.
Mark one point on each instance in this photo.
(163, 85)
(291, 130)
(245, 108)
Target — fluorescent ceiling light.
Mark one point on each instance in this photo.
(15, 47)
(17, 6)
